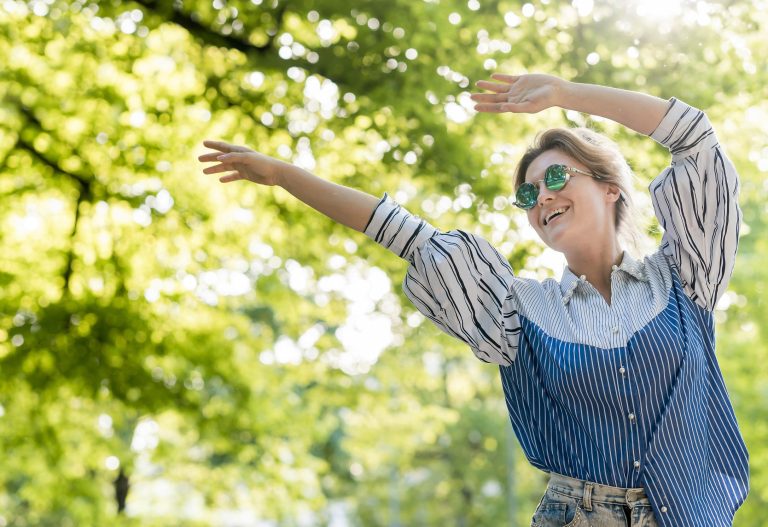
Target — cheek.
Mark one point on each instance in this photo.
(538, 228)
(532, 221)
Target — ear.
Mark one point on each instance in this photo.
(612, 192)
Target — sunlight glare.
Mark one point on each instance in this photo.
(659, 9)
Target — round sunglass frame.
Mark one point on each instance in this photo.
(555, 178)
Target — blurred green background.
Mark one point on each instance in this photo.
(232, 358)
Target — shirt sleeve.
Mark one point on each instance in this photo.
(696, 202)
(457, 280)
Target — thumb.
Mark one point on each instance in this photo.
(516, 107)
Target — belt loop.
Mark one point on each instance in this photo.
(588, 497)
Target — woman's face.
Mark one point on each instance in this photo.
(588, 205)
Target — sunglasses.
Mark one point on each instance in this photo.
(555, 178)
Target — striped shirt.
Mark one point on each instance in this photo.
(628, 394)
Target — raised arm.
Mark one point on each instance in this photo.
(535, 92)
(638, 111)
(695, 198)
(344, 205)
(456, 279)
(696, 202)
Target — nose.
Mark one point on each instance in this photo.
(544, 194)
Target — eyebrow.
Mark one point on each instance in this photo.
(534, 179)
(541, 176)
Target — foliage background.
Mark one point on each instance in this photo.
(233, 358)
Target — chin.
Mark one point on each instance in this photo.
(560, 245)
(564, 240)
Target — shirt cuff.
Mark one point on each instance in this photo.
(396, 229)
(664, 130)
(684, 129)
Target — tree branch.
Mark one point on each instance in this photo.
(83, 194)
(83, 184)
(84, 189)
(191, 24)
(170, 12)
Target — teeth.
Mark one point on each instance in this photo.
(551, 214)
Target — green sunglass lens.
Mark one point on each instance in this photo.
(526, 195)
(555, 177)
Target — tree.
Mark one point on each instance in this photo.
(224, 348)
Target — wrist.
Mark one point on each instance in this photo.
(565, 93)
(284, 175)
(280, 179)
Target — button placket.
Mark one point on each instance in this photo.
(571, 289)
(635, 448)
(619, 326)
(615, 325)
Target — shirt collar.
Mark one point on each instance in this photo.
(569, 283)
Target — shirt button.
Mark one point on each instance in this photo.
(583, 277)
(622, 370)
(615, 329)
(636, 464)
(663, 508)
(631, 417)
(614, 267)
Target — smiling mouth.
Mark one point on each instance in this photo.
(550, 219)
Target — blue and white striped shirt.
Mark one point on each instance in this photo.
(628, 394)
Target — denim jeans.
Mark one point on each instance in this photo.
(570, 502)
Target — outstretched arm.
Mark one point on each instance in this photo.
(456, 279)
(535, 92)
(344, 205)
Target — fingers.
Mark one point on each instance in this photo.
(233, 157)
(489, 97)
(223, 167)
(229, 156)
(498, 87)
(523, 107)
(492, 86)
(231, 177)
(210, 156)
(226, 155)
(490, 108)
(222, 147)
(509, 79)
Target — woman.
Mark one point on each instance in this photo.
(609, 374)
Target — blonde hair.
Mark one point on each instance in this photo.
(604, 160)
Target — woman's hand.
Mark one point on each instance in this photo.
(529, 93)
(243, 163)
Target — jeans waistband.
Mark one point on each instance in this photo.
(595, 492)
